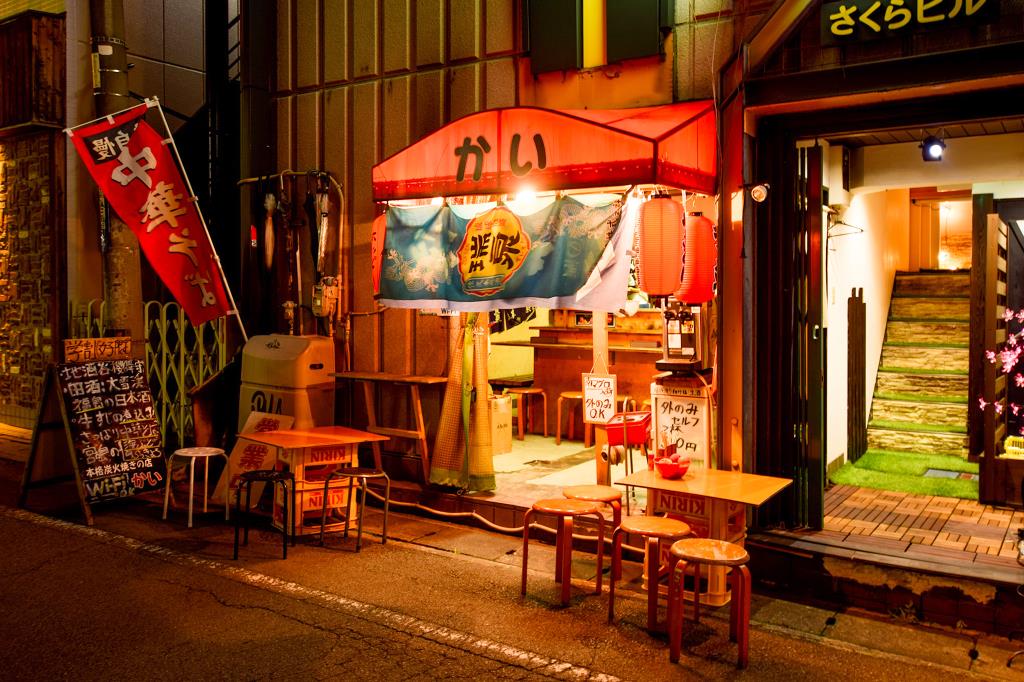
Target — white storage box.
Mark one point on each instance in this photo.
(288, 375)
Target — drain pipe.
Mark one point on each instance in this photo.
(123, 269)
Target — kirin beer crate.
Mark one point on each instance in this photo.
(309, 503)
(312, 465)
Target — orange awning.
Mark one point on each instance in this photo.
(501, 151)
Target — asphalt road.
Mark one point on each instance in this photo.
(88, 603)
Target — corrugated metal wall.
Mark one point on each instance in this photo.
(356, 81)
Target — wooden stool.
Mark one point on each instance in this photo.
(523, 405)
(363, 474)
(566, 511)
(587, 428)
(203, 453)
(598, 493)
(654, 529)
(517, 381)
(713, 553)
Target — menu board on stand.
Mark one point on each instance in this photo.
(111, 436)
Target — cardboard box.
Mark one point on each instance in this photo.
(501, 424)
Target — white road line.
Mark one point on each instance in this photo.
(409, 624)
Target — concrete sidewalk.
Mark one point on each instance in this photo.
(468, 579)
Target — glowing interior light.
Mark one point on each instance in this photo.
(935, 150)
(526, 194)
(437, 201)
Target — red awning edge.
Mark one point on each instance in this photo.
(501, 151)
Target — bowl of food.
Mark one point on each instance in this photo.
(672, 467)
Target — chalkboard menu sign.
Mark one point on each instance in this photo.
(111, 437)
(114, 430)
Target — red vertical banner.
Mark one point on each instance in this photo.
(136, 171)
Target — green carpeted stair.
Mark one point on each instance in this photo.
(925, 351)
(919, 408)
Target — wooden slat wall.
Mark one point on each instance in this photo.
(993, 271)
(358, 80)
(856, 359)
(774, 323)
(787, 336)
(32, 77)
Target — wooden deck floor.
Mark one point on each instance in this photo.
(939, 529)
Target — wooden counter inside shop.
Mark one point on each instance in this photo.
(563, 351)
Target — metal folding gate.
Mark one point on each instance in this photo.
(179, 357)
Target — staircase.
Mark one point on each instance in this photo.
(920, 400)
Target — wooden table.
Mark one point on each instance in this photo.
(713, 503)
(413, 382)
(311, 454)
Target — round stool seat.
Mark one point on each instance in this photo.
(198, 452)
(708, 551)
(353, 474)
(655, 527)
(368, 472)
(565, 507)
(266, 476)
(286, 479)
(566, 510)
(587, 428)
(524, 403)
(593, 493)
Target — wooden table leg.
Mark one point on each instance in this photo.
(371, 422)
(559, 548)
(421, 430)
(653, 564)
(566, 541)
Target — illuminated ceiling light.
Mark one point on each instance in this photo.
(932, 148)
(759, 192)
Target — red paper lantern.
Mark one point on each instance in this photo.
(660, 246)
(698, 285)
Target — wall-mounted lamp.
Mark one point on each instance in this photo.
(759, 192)
(932, 148)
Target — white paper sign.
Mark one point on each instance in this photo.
(681, 422)
(598, 398)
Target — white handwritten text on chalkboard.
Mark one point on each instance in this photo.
(114, 429)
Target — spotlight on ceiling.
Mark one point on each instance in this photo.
(759, 192)
(932, 148)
